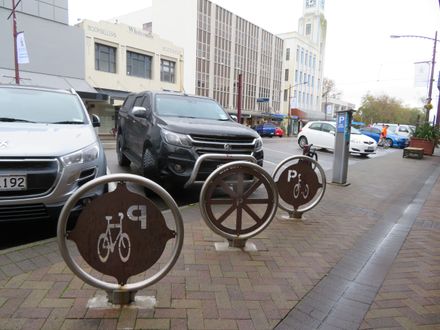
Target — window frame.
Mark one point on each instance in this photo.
(108, 64)
(169, 76)
(133, 58)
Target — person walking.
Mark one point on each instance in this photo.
(383, 136)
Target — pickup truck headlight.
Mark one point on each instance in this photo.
(83, 156)
(258, 143)
(176, 139)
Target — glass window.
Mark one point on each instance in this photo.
(138, 65)
(105, 58)
(189, 107)
(308, 29)
(26, 105)
(286, 75)
(316, 126)
(287, 54)
(167, 71)
(327, 128)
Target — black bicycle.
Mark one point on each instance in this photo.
(309, 151)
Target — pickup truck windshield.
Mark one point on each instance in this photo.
(36, 106)
(189, 107)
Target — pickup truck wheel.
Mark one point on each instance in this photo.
(122, 159)
(149, 165)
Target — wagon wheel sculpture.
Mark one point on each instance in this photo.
(247, 191)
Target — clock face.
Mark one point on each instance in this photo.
(310, 3)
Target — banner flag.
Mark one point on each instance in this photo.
(421, 75)
(22, 53)
(293, 103)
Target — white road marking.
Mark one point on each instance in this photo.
(280, 152)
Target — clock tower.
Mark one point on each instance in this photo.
(313, 5)
(313, 24)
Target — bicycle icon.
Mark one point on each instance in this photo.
(297, 189)
(107, 245)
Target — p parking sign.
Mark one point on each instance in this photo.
(340, 126)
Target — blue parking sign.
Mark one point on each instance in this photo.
(340, 126)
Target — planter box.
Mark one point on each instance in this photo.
(427, 146)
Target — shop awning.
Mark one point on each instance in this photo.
(45, 80)
(278, 116)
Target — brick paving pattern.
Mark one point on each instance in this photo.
(252, 290)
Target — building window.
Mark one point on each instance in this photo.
(286, 75)
(285, 95)
(105, 58)
(147, 27)
(287, 54)
(308, 29)
(138, 65)
(167, 71)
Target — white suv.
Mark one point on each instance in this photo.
(48, 148)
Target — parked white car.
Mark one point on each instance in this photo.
(322, 135)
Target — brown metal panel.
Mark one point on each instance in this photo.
(121, 233)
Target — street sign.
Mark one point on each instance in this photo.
(263, 99)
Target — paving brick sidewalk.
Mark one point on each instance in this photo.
(247, 290)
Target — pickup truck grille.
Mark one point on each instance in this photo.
(223, 145)
(41, 175)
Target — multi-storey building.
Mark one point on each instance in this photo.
(55, 49)
(303, 64)
(219, 46)
(120, 59)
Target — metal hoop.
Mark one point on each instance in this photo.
(222, 169)
(321, 172)
(89, 279)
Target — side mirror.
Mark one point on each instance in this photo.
(141, 112)
(96, 122)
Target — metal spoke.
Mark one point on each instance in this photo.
(226, 214)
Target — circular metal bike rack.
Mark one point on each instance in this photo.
(301, 184)
(226, 215)
(122, 292)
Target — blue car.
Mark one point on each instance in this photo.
(266, 129)
(393, 140)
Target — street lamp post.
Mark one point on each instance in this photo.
(290, 89)
(431, 81)
(289, 100)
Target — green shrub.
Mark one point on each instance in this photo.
(428, 132)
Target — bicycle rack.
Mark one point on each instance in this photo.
(299, 187)
(233, 180)
(141, 241)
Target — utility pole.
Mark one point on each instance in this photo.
(431, 81)
(14, 33)
(239, 88)
(428, 104)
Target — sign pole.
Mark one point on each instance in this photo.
(14, 32)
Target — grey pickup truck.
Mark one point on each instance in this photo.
(181, 138)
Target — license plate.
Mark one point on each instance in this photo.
(12, 182)
(370, 149)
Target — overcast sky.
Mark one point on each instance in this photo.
(360, 55)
